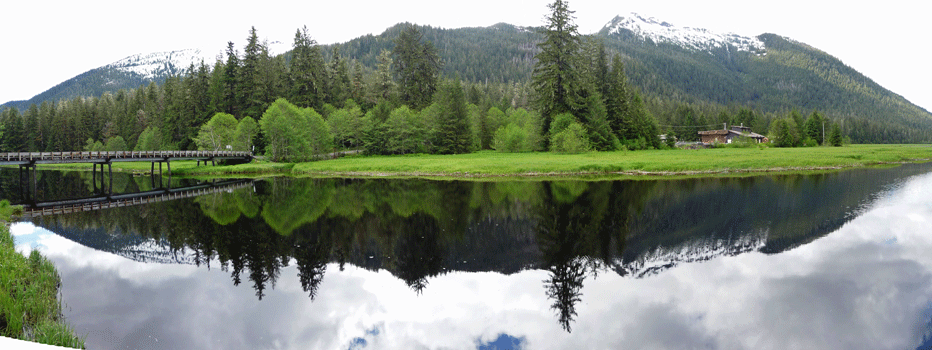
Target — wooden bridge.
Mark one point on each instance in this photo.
(129, 199)
(32, 158)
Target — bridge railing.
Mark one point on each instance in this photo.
(63, 156)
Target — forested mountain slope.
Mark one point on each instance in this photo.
(774, 76)
(673, 67)
(128, 73)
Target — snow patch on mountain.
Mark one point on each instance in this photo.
(663, 258)
(691, 38)
(160, 64)
(159, 251)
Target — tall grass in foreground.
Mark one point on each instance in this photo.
(29, 306)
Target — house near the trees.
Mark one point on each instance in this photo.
(731, 135)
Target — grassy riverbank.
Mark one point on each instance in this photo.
(671, 163)
(29, 306)
(705, 162)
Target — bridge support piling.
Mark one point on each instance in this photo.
(25, 179)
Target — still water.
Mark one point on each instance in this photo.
(829, 261)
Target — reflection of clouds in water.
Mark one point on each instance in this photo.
(851, 289)
(124, 301)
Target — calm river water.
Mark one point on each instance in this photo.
(830, 261)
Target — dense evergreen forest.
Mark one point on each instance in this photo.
(418, 89)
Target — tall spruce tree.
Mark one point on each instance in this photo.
(617, 105)
(383, 86)
(339, 79)
(33, 132)
(231, 103)
(454, 134)
(815, 127)
(307, 74)
(251, 89)
(417, 67)
(556, 80)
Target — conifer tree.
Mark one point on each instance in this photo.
(417, 66)
(617, 106)
(32, 129)
(815, 127)
(834, 137)
(339, 79)
(13, 132)
(307, 73)
(384, 86)
(250, 76)
(359, 85)
(556, 79)
(453, 131)
(231, 103)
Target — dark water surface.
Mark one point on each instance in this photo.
(831, 261)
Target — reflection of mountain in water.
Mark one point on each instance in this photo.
(653, 262)
(418, 229)
(130, 246)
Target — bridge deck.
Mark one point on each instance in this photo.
(129, 199)
(29, 158)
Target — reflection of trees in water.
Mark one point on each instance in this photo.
(418, 252)
(563, 287)
(581, 227)
(312, 253)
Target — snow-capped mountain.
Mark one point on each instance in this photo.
(690, 38)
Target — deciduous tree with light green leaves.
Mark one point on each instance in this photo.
(149, 140)
(217, 133)
(246, 131)
(293, 133)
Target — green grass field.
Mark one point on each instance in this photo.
(653, 162)
(678, 163)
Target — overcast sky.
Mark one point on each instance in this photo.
(48, 42)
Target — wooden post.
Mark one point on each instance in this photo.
(35, 192)
(110, 168)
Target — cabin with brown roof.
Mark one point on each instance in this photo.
(730, 135)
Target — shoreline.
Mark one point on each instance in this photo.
(39, 312)
(631, 173)
(654, 164)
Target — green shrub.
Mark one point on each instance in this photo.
(510, 138)
(573, 139)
